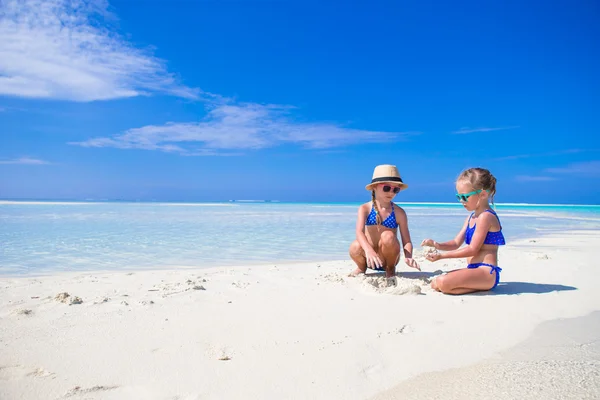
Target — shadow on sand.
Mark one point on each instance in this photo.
(505, 288)
(416, 274)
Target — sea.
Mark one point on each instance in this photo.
(38, 238)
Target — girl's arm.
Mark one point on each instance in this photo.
(484, 223)
(371, 256)
(360, 229)
(451, 244)
(402, 221)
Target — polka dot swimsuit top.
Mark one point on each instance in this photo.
(496, 238)
(390, 221)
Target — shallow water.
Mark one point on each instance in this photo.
(47, 237)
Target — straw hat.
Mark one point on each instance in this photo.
(386, 174)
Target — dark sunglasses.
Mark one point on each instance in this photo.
(387, 188)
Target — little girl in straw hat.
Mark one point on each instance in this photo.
(376, 245)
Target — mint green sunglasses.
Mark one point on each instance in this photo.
(465, 196)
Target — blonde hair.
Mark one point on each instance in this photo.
(378, 215)
(480, 179)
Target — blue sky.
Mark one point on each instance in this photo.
(297, 101)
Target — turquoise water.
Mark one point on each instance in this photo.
(46, 237)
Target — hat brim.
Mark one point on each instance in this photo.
(371, 186)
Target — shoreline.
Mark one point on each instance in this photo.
(312, 330)
(525, 240)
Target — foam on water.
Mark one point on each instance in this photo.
(44, 237)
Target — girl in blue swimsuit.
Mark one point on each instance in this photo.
(377, 245)
(481, 232)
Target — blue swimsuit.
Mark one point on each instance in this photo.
(495, 238)
(390, 222)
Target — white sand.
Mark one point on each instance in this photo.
(561, 360)
(297, 331)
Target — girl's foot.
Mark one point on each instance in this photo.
(356, 272)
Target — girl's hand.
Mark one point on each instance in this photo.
(373, 260)
(429, 242)
(433, 257)
(411, 262)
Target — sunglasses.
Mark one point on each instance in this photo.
(465, 196)
(387, 188)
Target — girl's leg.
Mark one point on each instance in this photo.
(434, 280)
(358, 256)
(389, 251)
(466, 280)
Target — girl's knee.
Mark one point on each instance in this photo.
(442, 285)
(389, 239)
(355, 248)
(433, 284)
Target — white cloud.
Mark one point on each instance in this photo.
(584, 168)
(465, 130)
(24, 161)
(65, 49)
(549, 154)
(234, 127)
(587, 168)
(529, 178)
(68, 49)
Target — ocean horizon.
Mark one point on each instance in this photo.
(91, 201)
(546, 206)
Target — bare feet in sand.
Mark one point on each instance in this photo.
(356, 272)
